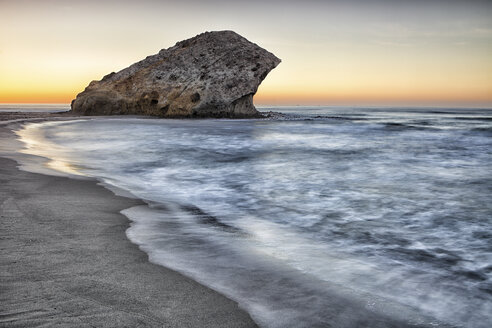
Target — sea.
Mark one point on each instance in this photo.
(315, 218)
(35, 108)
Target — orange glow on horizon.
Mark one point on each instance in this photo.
(286, 99)
(481, 99)
(37, 98)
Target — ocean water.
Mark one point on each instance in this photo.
(35, 108)
(327, 217)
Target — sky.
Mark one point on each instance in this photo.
(350, 53)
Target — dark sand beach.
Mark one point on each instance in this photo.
(66, 262)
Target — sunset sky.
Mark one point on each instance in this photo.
(418, 53)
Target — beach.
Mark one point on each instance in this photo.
(66, 262)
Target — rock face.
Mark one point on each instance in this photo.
(214, 74)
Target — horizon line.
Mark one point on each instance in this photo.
(301, 105)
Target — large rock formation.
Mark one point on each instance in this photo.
(214, 74)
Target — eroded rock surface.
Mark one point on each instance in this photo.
(214, 74)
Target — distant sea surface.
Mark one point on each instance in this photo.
(35, 108)
(381, 209)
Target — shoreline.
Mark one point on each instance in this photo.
(70, 265)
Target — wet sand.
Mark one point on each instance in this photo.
(66, 262)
